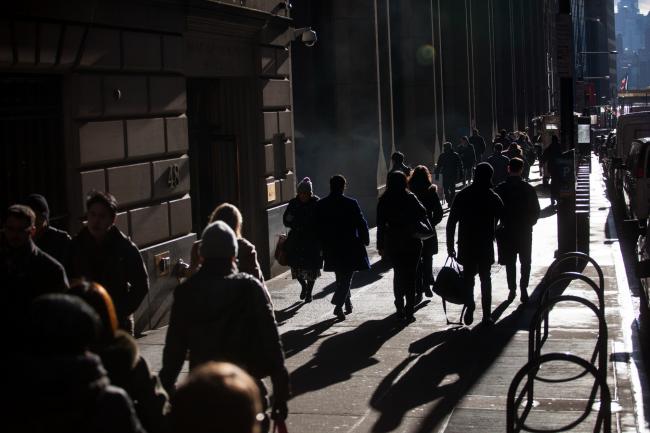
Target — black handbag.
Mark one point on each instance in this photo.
(450, 286)
(422, 230)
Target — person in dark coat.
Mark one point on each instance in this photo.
(398, 212)
(344, 236)
(550, 157)
(121, 358)
(420, 185)
(100, 252)
(468, 156)
(478, 142)
(398, 164)
(503, 139)
(26, 272)
(476, 211)
(52, 241)
(520, 214)
(63, 387)
(221, 314)
(451, 167)
(499, 163)
(303, 245)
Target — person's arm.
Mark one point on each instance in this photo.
(436, 212)
(534, 207)
(289, 218)
(138, 278)
(152, 402)
(452, 220)
(176, 344)
(362, 225)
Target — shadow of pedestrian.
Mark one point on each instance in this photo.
(281, 316)
(295, 341)
(360, 279)
(344, 354)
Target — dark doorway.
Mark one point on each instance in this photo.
(214, 155)
(32, 151)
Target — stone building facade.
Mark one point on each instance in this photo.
(172, 106)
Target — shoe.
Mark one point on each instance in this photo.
(308, 297)
(348, 306)
(427, 292)
(468, 318)
(511, 295)
(418, 298)
(399, 312)
(303, 293)
(338, 312)
(487, 321)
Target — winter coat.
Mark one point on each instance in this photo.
(520, 208)
(479, 145)
(343, 231)
(476, 210)
(246, 259)
(55, 242)
(499, 164)
(431, 202)
(128, 370)
(116, 265)
(397, 215)
(303, 243)
(221, 315)
(69, 394)
(401, 167)
(467, 155)
(450, 165)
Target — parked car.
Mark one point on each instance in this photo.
(636, 180)
(628, 127)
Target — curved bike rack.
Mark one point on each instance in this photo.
(576, 255)
(516, 424)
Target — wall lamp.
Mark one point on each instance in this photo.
(308, 36)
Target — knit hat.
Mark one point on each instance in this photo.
(39, 205)
(218, 241)
(305, 186)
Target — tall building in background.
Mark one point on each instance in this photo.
(632, 36)
(597, 64)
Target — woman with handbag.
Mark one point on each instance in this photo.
(420, 185)
(302, 244)
(401, 224)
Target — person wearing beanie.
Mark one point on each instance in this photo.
(302, 244)
(51, 240)
(476, 211)
(221, 314)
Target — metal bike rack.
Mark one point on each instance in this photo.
(516, 423)
(575, 255)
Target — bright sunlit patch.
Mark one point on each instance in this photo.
(425, 54)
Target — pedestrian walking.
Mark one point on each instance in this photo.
(468, 157)
(451, 167)
(303, 245)
(476, 211)
(515, 232)
(529, 155)
(398, 214)
(420, 185)
(221, 314)
(398, 164)
(344, 236)
(499, 163)
(479, 145)
(50, 240)
(513, 151)
(100, 252)
(550, 157)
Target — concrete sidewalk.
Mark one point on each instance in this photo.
(371, 374)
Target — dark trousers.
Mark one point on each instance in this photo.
(522, 247)
(467, 174)
(483, 270)
(343, 283)
(449, 188)
(405, 272)
(425, 269)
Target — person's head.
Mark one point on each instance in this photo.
(217, 397)
(474, 131)
(397, 157)
(515, 166)
(337, 184)
(229, 214)
(483, 174)
(98, 298)
(447, 146)
(420, 179)
(464, 140)
(101, 211)
(305, 190)
(218, 244)
(41, 209)
(19, 226)
(498, 148)
(61, 324)
(503, 133)
(396, 181)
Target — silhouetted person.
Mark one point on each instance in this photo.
(121, 358)
(503, 139)
(398, 164)
(64, 387)
(499, 164)
(479, 145)
(303, 245)
(420, 185)
(476, 211)
(217, 397)
(550, 157)
(26, 272)
(100, 252)
(529, 153)
(398, 212)
(221, 314)
(513, 151)
(50, 240)
(344, 236)
(520, 214)
(451, 167)
(468, 156)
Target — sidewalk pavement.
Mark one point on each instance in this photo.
(369, 373)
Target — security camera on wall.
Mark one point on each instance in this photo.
(307, 36)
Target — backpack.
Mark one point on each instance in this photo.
(450, 286)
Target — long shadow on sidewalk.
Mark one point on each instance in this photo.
(360, 279)
(295, 341)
